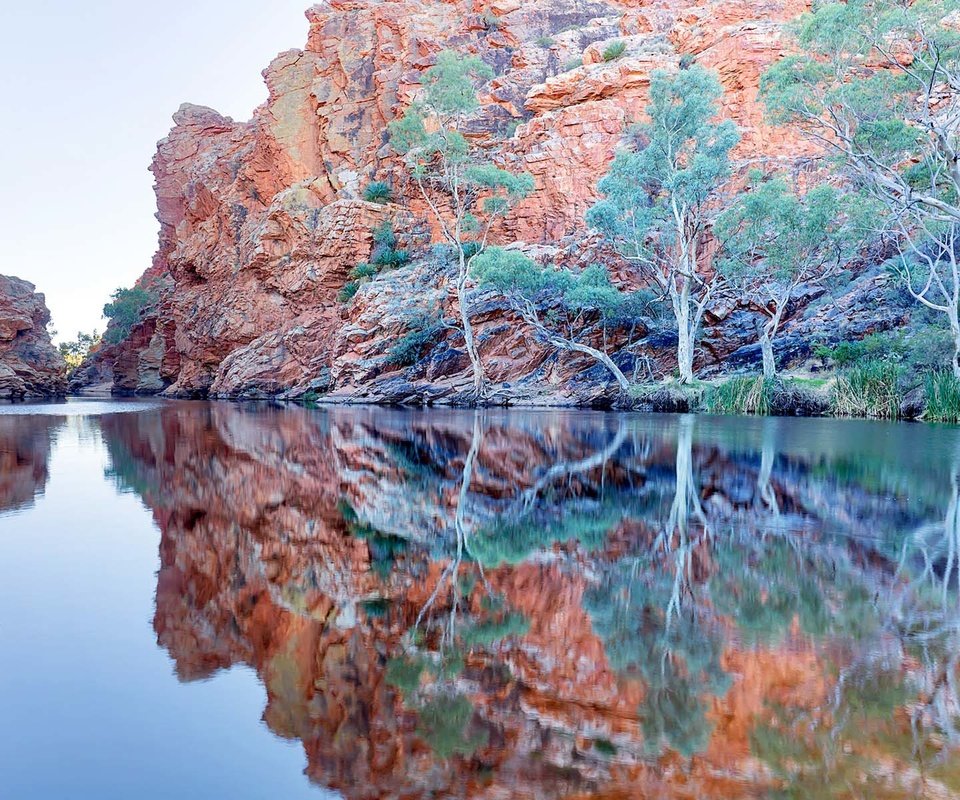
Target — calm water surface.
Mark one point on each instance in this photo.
(211, 600)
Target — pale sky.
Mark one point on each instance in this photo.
(87, 90)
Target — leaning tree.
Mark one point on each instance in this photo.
(464, 190)
(877, 84)
(777, 238)
(560, 306)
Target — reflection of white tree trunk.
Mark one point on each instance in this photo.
(452, 570)
(675, 537)
(934, 631)
(768, 455)
(565, 469)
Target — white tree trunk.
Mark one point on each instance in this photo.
(766, 349)
(685, 346)
(954, 318)
(576, 347)
(479, 383)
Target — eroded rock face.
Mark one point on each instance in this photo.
(261, 221)
(30, 365)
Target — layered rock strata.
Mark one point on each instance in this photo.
(30, 365)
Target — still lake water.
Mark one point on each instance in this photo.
(218, 601)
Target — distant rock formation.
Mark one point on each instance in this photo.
(30, 365)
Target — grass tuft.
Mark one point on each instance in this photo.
(942, 396)
(614, 50)
(871, 389)
(746, 394)
(378, 192)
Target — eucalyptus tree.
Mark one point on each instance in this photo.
(567, 297)
(464, 190)
(877, 84)
(661, 196)
(778, 239)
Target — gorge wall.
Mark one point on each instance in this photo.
(30, 365)
(262, 221)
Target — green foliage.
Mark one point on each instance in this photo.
(677, 657)
(871, 389)
(776, 236)
(942, 389)
(516, 275)
(874, 347)
(124, 311)
(918, 351)
(346, 294)
(614, 50)
(546, 42)
(383, 256)
(404, 673)
(605, 747)
(747, 394)
(423, 331)
(684, 158)
(75, 352)
(378, 192)
(573, 63)
(364, 270)
(871, 87)
(444, 724)
(489, 632)
(512, 541)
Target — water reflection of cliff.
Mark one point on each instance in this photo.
(25, 444)
(487, 605)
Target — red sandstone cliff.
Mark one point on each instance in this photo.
(261, 221)
(30, 365)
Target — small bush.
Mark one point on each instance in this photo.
(942, 391)
(747, 394)
(614, 50)
(348, 291)
(378, 192)
(124, 310)
(874, 347)
(546, 42)
(573, 63)
(364, 270)
(871, 389)
(423, 332)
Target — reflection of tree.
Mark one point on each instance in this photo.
(677, 657)
(896, 700)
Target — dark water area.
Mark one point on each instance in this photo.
(214, 600)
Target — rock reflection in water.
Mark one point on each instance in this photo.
(25, 444)
(567, 605)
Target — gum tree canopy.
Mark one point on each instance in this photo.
(662, 195)
(464, 190)
(878, 86)
(777, 238)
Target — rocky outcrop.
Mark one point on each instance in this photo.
(30, 365)
(261, 221)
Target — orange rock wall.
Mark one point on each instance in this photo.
(261, 221)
